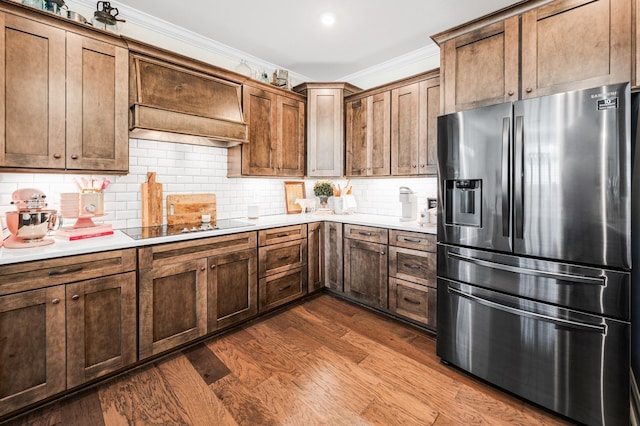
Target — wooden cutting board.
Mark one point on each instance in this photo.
(151, 201)
(189, 208)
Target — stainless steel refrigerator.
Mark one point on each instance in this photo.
(535, 252)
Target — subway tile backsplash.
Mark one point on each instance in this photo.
(197, 169)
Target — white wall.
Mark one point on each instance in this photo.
(196, 169)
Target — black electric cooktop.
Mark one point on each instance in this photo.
(141, 233)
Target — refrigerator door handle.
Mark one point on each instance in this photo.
(506, 127)
(602, 329)
(519, 177)
(578, 279)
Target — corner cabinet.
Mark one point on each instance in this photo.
(561, 45)
(325, 126)
(276, 134)
(64, 92)
(315, 256)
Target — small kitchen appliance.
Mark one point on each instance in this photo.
(31, 222)
(409, 204)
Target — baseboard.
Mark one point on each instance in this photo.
(634, 401)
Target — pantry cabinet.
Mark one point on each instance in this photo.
(64, 95)
(63, 322)
(276, 134)
(560, 45)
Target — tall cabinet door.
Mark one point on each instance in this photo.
(97, 105)
(101, 327)
(379, 134)
(32, 93)
(290, 137)
(356, 138)
(405, 129)
(32, 347)
(260, 111)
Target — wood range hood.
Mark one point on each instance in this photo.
(171, 102)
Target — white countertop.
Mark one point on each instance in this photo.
(119, 240)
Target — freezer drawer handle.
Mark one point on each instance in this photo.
(601, 280)
(602, 329)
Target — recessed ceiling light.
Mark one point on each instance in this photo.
(328, 19)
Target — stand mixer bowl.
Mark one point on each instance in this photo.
(32, 225)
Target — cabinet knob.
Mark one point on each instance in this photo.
(74, 157)
(529, 90)
(422, 166)
(55, 301)
(57, 156)
(382, 253)
(510, 92)
(213, 266)
(414, 166)
(202, 268)
(75, 297)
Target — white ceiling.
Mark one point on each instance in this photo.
(289, 33)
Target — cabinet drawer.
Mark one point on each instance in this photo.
(183, 251)
(278, 289)
(412, 265)
(282, 234)
(366, 233)
(413, 301)
(32, 275)
(413, 240)
(282, 257)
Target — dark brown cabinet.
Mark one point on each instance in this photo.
(315, 256)
(533, 49)
(63, 322)
(64, 97)
(333, 256)
(282, 265)
(365, 264)
(276, 134)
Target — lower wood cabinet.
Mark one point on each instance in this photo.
(365, 264)
(414, 301)
(281, 288)
(333, 261)
(63, 322)
(315, 256)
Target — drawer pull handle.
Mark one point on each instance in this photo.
(65, 271)
(284, 257)
(411, 240)
(282, 235)
(411, 301)
(284, 288)
(412, 266)
(75, 297)
(366, 234)
(55, 301)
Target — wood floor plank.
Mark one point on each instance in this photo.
(243, 404)
(241, 365)
(201, 406)
(206, 363)
(142, 397)
(286, 403)
(81, 410)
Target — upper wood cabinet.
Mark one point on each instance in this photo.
(325, 126)
(276, 134)
(533, 49)
(64, 96)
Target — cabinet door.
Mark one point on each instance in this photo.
(101, 327)
(333, 256)
(173, 305)
(260, 112)
(290, 137)
(379, 134)
(325, 132)
(32, 90)
(232, 289)
(365, 272)
(356, 138)
(481, 67)
(428, 133)
(97, 105)
(413, 301)
(571, 45)
(315, 256)
(405, 128)
(32, 347)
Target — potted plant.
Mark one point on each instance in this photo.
(323, 189)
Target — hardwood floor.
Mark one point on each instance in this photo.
(324, 361)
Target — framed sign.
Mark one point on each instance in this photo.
(293, 191)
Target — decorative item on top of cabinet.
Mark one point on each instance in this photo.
(365, 264)
(80, 126)
(412, 276)
(276, 133)
(63, 322)
(177, 289)
(325, 126)
(561, 45)
(282, 265)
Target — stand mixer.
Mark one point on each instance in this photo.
(30, 224)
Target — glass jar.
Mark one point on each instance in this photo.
(38, 4)
(53, 7)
